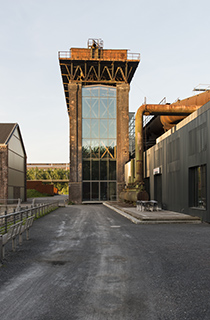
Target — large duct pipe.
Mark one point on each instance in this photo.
(199, 100)
(153, 109)
(179, 108)
(169, 122)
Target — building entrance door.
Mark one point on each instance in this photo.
(99, 191)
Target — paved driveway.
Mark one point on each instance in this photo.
(88, 262)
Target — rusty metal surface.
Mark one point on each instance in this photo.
(105, 54)
(95, 65)
(169, 121)
(92, 73)
(97, 71)
(180, 108)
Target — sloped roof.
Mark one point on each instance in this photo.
(6, 129)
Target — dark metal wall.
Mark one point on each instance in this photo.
(183, 147)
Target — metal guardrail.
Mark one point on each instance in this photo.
(133, 56)
(37, 211)
(10, 201)
(111, 55)
(9, 205)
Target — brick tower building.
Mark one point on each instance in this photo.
(96, 85)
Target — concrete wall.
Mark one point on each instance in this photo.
(167, 164)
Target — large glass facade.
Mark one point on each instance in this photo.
(99, 138)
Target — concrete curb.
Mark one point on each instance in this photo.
(138, 220)
(124, 214)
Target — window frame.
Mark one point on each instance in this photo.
(198, 187)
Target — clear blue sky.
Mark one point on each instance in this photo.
(172, 37)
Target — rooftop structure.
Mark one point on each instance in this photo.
(96, 85)
(96, 65)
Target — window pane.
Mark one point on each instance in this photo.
(86, 105)
(112, 170)
(112, 92)
(86, 128)
(103, 191)
(94, 92)
(94, 108)
(85, 191)
(95, 191)
(103, 148)
(112, 190)
(86, 92)
(103, 170)
(103, 91)
(202, 187)
(95, 148)
(103, 108)
(95, 170)
(86, 170)
(112, 128)
(112, 107)
(103, 129)
(197, 187)
(112, 148)
(85, 148)
(94, 128)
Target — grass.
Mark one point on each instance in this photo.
(10, 223)
(32, 193)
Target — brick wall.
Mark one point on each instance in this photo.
(3, 172)
(75, 121)
(122, 133)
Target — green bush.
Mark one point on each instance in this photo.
(32, 193)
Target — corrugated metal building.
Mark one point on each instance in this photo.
(12, 162)
(177, 167)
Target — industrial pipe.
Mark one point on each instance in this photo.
(170, 121)
(199, 100)
(154, 109)
(179, 108)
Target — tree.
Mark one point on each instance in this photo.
(50, 174)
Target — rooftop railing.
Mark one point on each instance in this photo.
(104, 55)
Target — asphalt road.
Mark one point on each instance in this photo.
(88, 262)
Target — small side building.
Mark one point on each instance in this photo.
(176, 168)
(12, 162)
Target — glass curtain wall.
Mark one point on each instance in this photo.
(99, 141)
